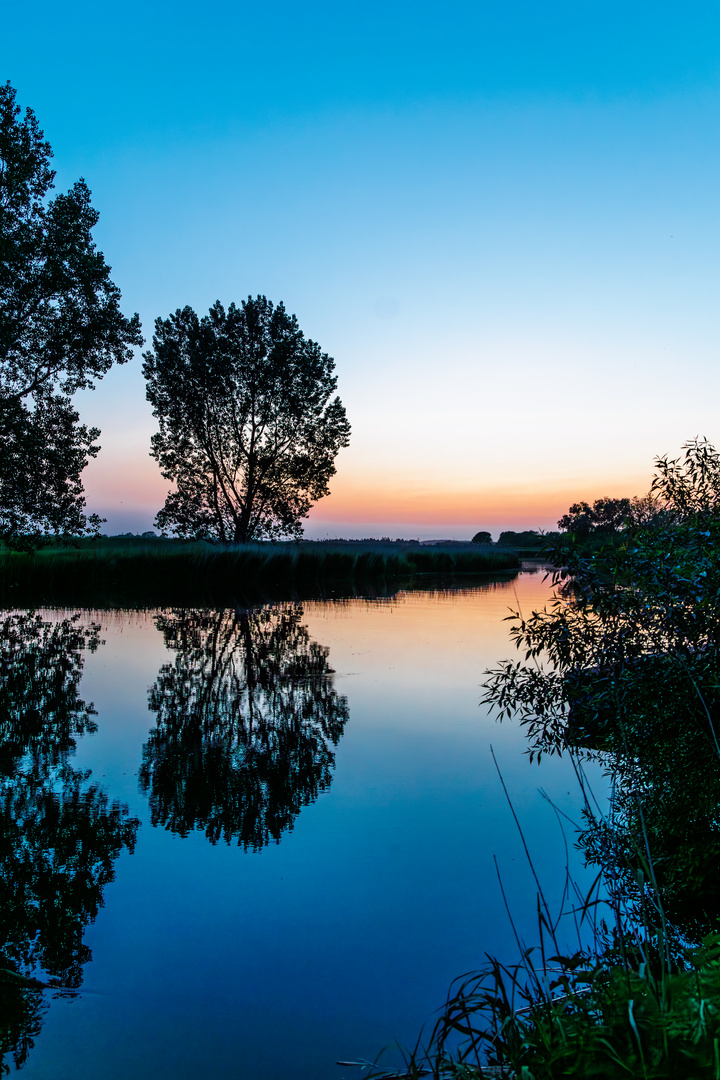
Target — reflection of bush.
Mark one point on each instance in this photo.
(59, 834)
(246, 720)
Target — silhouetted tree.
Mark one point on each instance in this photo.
(61, 328)
(482, 538)
(249, 429)
(247, 717)
(604, 516)
(526, 538)
(60, 835)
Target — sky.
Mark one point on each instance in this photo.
(500, 219)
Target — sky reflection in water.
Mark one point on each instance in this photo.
(318, 817)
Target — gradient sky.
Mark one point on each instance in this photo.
(499, 218)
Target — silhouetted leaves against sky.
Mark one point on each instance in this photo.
(247, 719)
(61, 329)
(249, 426)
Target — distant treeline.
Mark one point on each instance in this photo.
(528, 538)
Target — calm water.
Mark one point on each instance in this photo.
(306, 860)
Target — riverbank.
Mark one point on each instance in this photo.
(139, 570)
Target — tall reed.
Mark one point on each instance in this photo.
(167, 571)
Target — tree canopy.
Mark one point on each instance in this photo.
(249, 426)
(61, 329)
(606, 515)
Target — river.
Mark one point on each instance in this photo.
(270, 843)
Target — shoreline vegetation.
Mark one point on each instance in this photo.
(621, 668)
(154, 570)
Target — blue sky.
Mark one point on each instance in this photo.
(501, 220)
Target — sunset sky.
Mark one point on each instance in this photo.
(501, 219)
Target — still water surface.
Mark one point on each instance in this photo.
(306, 859)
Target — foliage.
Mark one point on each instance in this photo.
(482, 538)
(41, 712)
(249, 429)
(609, 1016)
(624, 664)
(61, 328)
(626, 660)
(527, 538)
(44, 450)
(687, 488)
(607, 516)
(165, 571)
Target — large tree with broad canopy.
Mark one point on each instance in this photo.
(249, 421)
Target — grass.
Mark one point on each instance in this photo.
(631, 1000)
(139, 570)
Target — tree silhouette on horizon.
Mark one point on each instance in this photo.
(250, 424)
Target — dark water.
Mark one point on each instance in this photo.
(268, 844)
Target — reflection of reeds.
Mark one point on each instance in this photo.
(167, 571)
(629, 999)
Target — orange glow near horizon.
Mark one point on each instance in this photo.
(370, 500)
(355, 502)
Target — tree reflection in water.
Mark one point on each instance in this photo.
(59, 833)
(247, 717)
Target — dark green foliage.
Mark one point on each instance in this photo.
(247, 719)
(249, 426)
(626, 659)
(143, 571)
(610, 1017)
(61, 328)
(482, 538)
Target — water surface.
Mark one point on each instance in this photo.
(279, 831)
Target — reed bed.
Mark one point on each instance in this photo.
(165, 571)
